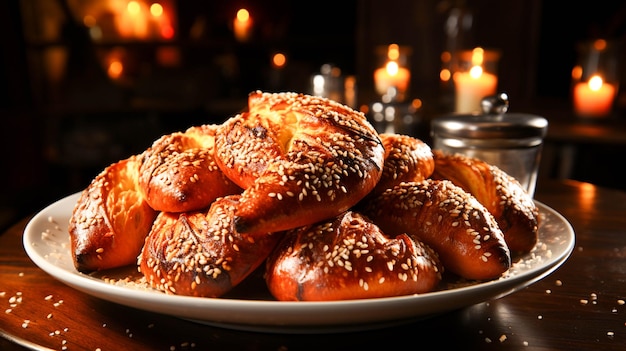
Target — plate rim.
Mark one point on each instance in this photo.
(272, 315)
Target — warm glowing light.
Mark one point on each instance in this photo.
(599, 44)
(595, 83)
(89, 21)
(318, 84)
(115, 69)
(416, 104)
(587, 195)
(133, 7)
(279, 60)
(133, 23)
(473, 85)
(446, 56)
(393, 53)
(132, 19)
(243, 15)
(242, 25)
(393, 77)
(445, 75)
(156, 9)
(577, 72)
(392, 80)
(167, 32)
(350, 91)
(478, 56)
(594, 98)
(392, 68)
(476, 72)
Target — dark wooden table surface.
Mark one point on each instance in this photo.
(580, 306)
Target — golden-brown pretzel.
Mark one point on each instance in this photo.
(514, 209)
(448, 219)
(199, 253)
(110, 220)
(300, 159)
(407, 159)
(349, 257)
(178, 172)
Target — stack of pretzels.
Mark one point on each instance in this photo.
(304, 188)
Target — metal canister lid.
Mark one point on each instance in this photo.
(494, 126)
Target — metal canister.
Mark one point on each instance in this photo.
(510, 141)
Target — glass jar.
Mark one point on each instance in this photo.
(510, 141)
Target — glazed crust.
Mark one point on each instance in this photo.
(300, 159)
(448, 219)
(111, 219)
(200, 253)
(407, 159)
(305, 188)
(178, 172)
(514, 209)
(349, 257)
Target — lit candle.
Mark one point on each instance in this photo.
(472, 86)
(391, 76)
(392, 80)
(242, 25)
(134, 22)
(593, 98)
(161, 23)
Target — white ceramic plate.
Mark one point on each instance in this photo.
(46, 241)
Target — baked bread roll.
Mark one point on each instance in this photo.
(514, 209)
(449, 220)
(349, 257)
(178, 172)
(199, 253)
(301, 159)
(110, 220)
(407, 159)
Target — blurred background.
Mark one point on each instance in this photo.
(88, 82)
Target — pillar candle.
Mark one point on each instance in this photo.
(593, 98)
(242, 25)
(471, 87)
(391, 75)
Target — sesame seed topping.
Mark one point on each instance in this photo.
(301, 151)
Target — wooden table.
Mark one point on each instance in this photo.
(580, 306)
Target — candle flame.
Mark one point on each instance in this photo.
(595, 83)
(478, 56)
(476, 71)
(133, 7)
(243, 15)
(156, 9)
(392, 68)
(242, 25)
